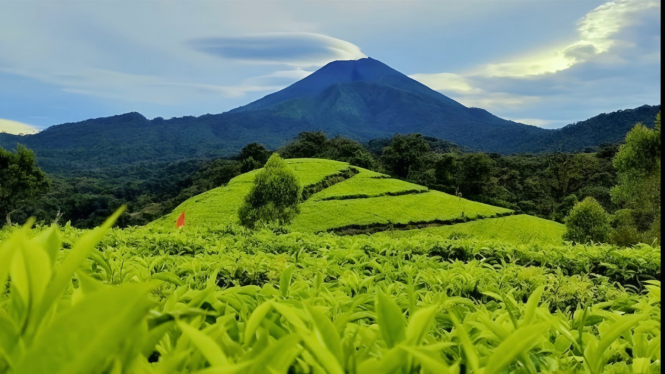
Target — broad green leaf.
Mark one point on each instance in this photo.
(155, 334)
(211, 351)
(519, 342)
(76, 342)
(326, 333)
(51, 242)
(531, 306)
(71, 263)
(430, 363)
(290, 315)
(255, 320)
(324, 356)
(467, 345)
(390, 320)
(595, 358)
(7, 249)
(419, 325)
(285, 281)
(168, 277)
(279, 356)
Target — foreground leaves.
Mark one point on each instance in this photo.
(324, 309)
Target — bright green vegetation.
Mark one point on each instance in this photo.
(231, 300)
(521, 229)
(219, 206)
(433, 206)
(274, 196)
(367, 184)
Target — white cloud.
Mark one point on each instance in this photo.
(445, 82)
(597, 31)
(294, 49)
(616, 40)
(14, 127)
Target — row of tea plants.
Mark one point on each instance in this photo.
(235, 301)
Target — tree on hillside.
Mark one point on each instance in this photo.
(274, 196)
(638, 167)
(405, 153)
(587, 222)
(445, 169)
(317, 145)
(253, 156)
(21, 180)
(306, 145)
(476, 174)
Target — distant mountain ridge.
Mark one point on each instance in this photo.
(360, 99)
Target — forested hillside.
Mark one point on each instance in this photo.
(360, 100)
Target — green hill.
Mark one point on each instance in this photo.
(350, 200)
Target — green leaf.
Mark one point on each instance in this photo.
(429, 362)
(279, 356)
(390, 319)
(326, 333)
(7, 249)
(76, 342)
(467, 345)
(211, 351)
(324, 356)
(519, 342)
(71, 263)
(51, 242)
(419, 325)
(155, 334)
(595, 358)
(255, 320)
(531, 305)
(285, 281)
(168, 277)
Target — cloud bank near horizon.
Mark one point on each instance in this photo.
(17, 128)
(614, 37)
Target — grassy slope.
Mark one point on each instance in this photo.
(220, 205)
(430, 206)
(519, 229)
(366, 184)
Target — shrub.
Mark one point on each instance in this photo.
(587, 222)
(274, 197)
(625, 233)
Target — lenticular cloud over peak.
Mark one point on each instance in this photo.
(295, 49)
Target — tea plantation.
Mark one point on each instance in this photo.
(375, 275)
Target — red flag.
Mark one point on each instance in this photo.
(180, 222)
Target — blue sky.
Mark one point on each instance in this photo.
(545, 63)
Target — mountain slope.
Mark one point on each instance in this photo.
(362, 99)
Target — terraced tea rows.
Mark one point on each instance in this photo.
(352, 200)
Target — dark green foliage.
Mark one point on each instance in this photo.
(445, 169)
(404, 154)
(21, 180)
(624, 232)
(317, 145)
(305, 145)
(274, 197)
(638, 166)
(86, 199)
(256, 151)
(253, 156)
(587, 222)
(476, 173)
